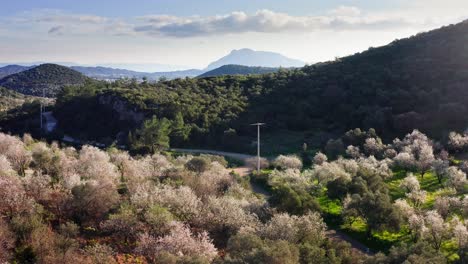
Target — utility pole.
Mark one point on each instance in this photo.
(42, 110)
(258, 143)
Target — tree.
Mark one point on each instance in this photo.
(197, 165)
(456, 178)
(93, 199)
(435, 229)
(7, 242)
(460, 233)
(154, 134)
(319, 158)
(94, 164)
(182, 202)
(179, 242)
(249, 248)
(457, 142)
(418, 197)
(376, 209)
(295, 229)
(100, 254)
(124, 223)
(353, 152)
(410, 183)
(288, 162)
(226, 215)
(440, 167)
(13, 198)
(180, 132)
(158, 218)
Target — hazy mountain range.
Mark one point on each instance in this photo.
(242, 57)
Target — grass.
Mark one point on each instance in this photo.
(394, 185)
(329, 206)
(282, 142)
(428, 183)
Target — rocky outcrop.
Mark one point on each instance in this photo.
(125, 111)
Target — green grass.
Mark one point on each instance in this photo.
(428, 183)
(329, 206)
(282, 142)
(394, 185)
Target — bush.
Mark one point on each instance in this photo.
(197, 164)
(288, 162)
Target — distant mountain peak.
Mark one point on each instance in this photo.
(253, 58)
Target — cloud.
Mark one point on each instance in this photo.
(56, 21)
(346, 11)
(57, 30)
(341, 18)
(267, 21)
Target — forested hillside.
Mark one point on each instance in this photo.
(419, 82)
(238, 70)
(49, 77)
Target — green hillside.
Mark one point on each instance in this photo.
(238, 70)
(50, 77)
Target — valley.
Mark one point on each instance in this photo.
(362, 159)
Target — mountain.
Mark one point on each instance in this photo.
(105, 73)
(12, 69)
(248, 57)
(176, 74)
(237, 70)
(50, 77)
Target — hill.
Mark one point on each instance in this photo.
(176, 74)
(237, 70)
(51, 77)
(12, 69)
(105, 73)
(248, 57)
(413, 83)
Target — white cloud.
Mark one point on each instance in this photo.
(346, 11)
(267, 21)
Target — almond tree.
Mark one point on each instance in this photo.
(179, 242)
(410, 183)
(7, 242)
(456, 178)
(13, 198)
(288, 162)
(295, 229)
(435, 230)
(319, 158)
(460, 233)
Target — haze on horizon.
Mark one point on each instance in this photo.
(176, 34)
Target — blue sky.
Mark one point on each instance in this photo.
(129, 8)
(193, 33)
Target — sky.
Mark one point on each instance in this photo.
(158, 35)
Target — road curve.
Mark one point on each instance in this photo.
(237, 156)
